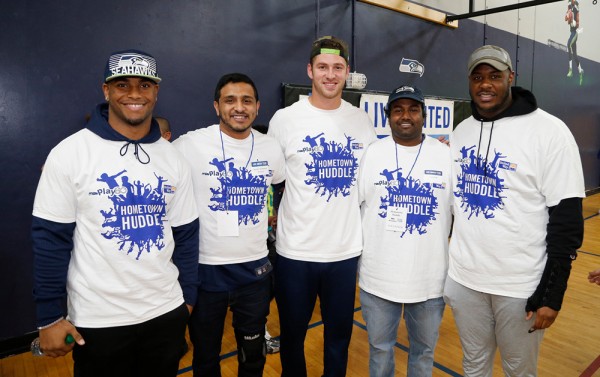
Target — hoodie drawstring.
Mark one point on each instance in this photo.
(138, 147)
(488, 147)
(479, 143)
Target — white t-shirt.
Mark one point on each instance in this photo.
(498, 243)
(120, 271)
(405, 255)
(319, 215)
(233, 176)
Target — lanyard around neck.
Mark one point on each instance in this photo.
(223, 148)
(416, 158)
(225, 166)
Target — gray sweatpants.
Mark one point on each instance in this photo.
(487, 321)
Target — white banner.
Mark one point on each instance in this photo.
(440, 115)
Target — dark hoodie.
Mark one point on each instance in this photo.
(564, 232)
(98, 124)
(523, 102)
(53, 241)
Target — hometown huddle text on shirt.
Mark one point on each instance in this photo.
(323, 149)
(233, 176)
(124, 211)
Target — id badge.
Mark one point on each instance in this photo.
(396, 219)
(259, 168)
(227, 224)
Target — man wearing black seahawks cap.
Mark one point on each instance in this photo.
(115, 230)
(518, 220)
(405, 193)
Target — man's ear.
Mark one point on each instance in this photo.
(105, 91)
(309, 71)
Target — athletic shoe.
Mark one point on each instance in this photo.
(273, 345)
(570, 73)
(581, 77)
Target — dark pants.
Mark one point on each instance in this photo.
(151, 348)
(298, 285)
(572, 47)
(273, 259)
(250, 308)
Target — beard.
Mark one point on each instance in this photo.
(234, 128)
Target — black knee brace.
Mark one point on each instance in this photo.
(252, 351)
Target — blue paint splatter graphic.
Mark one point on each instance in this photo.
(137, 213)
(479, 188)
(333, 168)
(240, 190)
(416, 197)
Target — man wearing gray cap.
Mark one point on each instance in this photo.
(405, 192)
(518, 220)
(115, 229)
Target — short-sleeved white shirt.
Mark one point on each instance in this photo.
(232, 176)
(319, 215)
(409, 263)
(498, 243)
(120, 271)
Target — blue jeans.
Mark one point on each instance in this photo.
(422, 323)
(298, 283)
(250, 308)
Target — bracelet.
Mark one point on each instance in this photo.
(50, 324)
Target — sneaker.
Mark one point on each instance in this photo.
(273, 345)
(581, 77)
(570, 73)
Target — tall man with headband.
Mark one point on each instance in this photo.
(233, 168)
(406, 197)
(319, 237)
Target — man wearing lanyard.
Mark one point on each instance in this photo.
(232, 168)
(405, 193)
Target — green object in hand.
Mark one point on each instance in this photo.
(69, 339)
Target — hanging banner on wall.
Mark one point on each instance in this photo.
(374, 105)
(439, 121)
(440, 117)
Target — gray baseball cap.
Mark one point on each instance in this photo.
(495, 56)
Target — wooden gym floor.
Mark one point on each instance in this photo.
(571, 347)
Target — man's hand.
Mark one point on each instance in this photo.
(544, 318)
(272, 221)
(443, 140)
(594, 277)
(53, 339)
